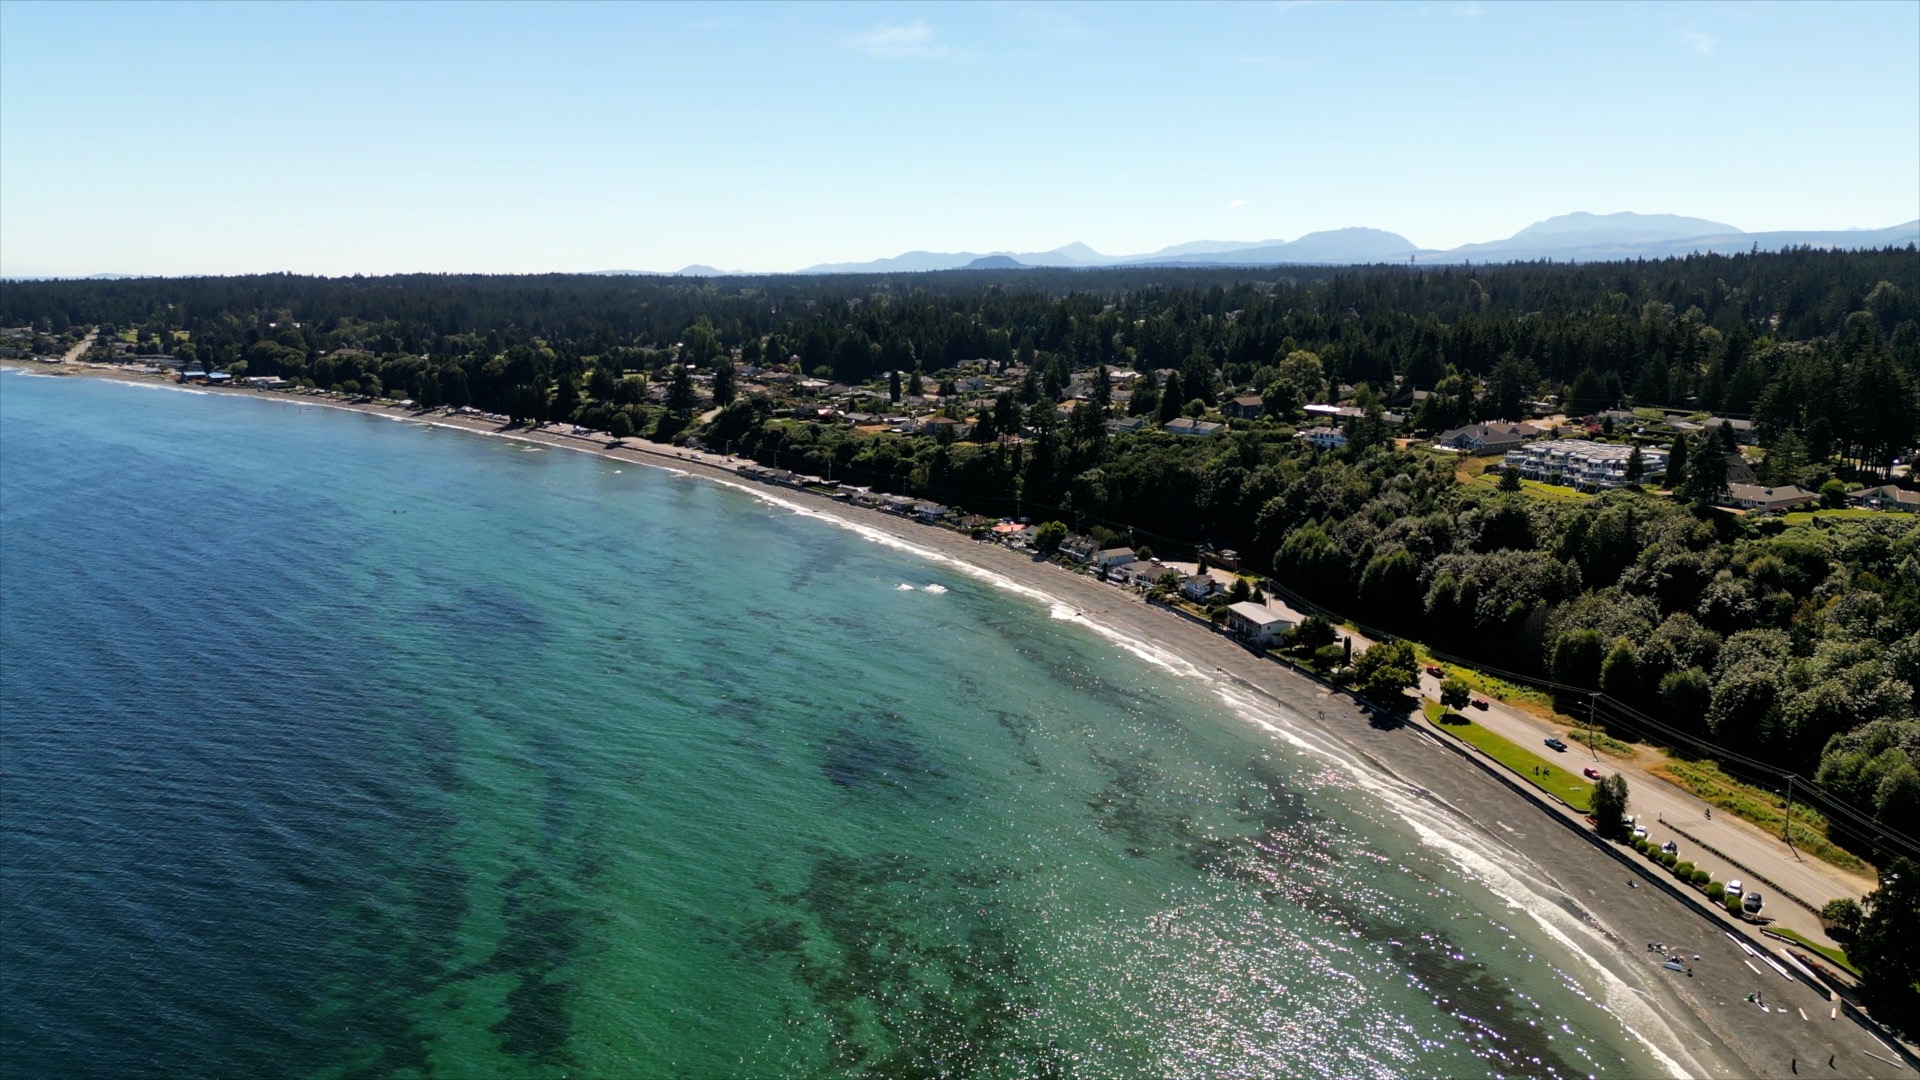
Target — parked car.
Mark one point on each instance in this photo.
(1733, 887)
(1479, 702)
(1751, 902)
(1590, 773)
(1639, 832)
(1555, 744)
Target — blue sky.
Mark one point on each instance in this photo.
(374, 138)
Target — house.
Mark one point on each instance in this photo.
(1324, 438)
(193, 376)
(1742, 429)
(1768, 499)
(1185, 426)
(1126, 425)
(933, 425)
(1581, 463)
(265, 382)
(1887, 497)
(1245, 407)
(1113, 557)
(1079, 548)
(1198, 587)
(1257, 622)
(219, 378)
(1486, 438)
(930, 512)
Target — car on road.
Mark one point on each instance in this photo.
(1639, 832)
(1750, 903)
(1435, 671)
(1479, 702)
(1554, 743)
(1733, 888)
(1590, 773)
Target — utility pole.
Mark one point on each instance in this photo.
(1593, 696)
(1786, 827)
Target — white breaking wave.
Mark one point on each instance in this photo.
(904, 587)
(936, 590)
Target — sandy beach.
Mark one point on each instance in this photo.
(1710, 1027)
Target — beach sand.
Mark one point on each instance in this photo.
(1717, 1031)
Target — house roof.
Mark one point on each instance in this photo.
(1757, 493)
(1258, 614)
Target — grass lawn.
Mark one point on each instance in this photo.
(1803, 516)
(1827, 951)
(1473, 472)
(1572, 788)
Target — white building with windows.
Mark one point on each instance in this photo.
(1582, 463)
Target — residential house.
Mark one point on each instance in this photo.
(1887, 497)
(1324, 438)
(1079, 548)
(1113, 557)
(1743, 433)
(1186, 426)
(1257, 622)
(1245, 407)
(1126, 425)
(1198, 587)
(930, 512)
(1486, 438)
(1768, 499)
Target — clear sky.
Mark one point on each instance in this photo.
(372, 138)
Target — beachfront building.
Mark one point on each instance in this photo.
(1198, 587)
(1113, 557)
(1079, 548)
(1257, 622)
(1582, 463)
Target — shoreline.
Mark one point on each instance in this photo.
(1454, 804)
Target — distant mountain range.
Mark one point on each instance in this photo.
(1577, 237)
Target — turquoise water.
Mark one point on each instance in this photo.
(337, 746)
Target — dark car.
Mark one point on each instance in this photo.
(1435, 671)
(1556, 744)
(1479, 703)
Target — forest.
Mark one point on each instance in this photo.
(1788, 645)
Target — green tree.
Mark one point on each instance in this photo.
(680, 399)
(723, 389)
(620, 425)
(1050, 537)
(1886, 947)
(893, 386)
(1385, 671)
(1171, 400)
(1609, 804)
(1313, 632)
(1706, 477)
(1636, 466)
(1510, 480)
(1844, 915)
(1455, 694)
(1677, 463)
(1833, 495)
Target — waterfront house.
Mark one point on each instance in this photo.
(1079, 548)
(1257, 622)
(1198, 587)
(1113, 557)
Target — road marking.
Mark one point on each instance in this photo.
(1504, 825)
(1749, 963)
(1803, 1013)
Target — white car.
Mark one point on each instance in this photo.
(1733, 887)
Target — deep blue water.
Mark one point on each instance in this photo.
(336, 746)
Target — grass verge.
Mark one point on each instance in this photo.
(1570, 787)
(1759, 806)
(1600, 740)
(1837, 956)
(1804, 516)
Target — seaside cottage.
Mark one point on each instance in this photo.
(1079, 548)
(1256, 622)
(1113, 557)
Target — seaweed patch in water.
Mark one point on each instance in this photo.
(856, 755)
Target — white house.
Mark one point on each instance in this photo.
(1257, 622)
(1113, 557)
(1755, 497)
(1324, 438)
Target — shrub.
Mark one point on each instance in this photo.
(1732, 902)
(1699, 876)
(1668, 858)
(1683, 870)
(1716, 891)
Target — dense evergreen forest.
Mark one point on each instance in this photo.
(1786, 644)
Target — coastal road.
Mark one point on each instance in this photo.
(1663, 808)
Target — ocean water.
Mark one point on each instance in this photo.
(334, 746)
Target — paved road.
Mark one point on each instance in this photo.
(1659, 805)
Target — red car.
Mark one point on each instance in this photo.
(1435, 671)
(1590, 773)
(1479, 702)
